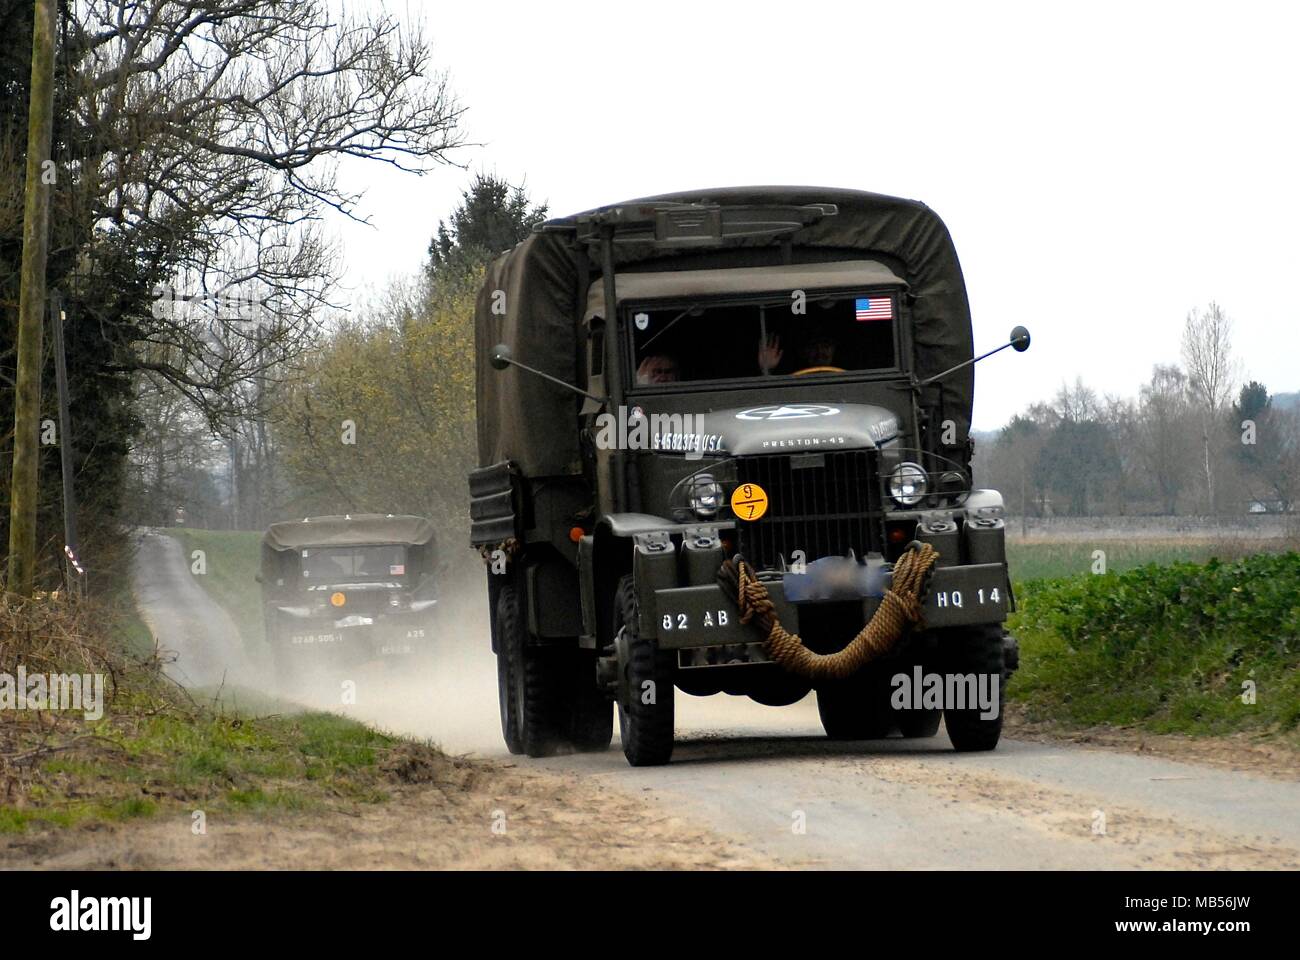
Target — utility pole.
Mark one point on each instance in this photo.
(31, 306)
(71, 549)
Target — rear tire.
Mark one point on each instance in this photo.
(856, 708)
(646, 728)
(591, 725)
(917, 724)
(508, 705)
(505, 682)
(978, 650)
(536, 678)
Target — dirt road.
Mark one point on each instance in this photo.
(766, 787)
(183, 617)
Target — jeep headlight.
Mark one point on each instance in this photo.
(907, 484)
(705, 496)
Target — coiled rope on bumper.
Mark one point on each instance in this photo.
(899, 608)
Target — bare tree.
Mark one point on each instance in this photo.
(210, 134)
(1163, 431)
(1078, 402)
(1207, 354)
(1286, 475)
(173, 447)
(1121, 418)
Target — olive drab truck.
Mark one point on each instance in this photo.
(724, 447)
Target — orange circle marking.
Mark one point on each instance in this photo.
(748, 501)
(338, 599)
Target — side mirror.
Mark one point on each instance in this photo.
(1019, 342)
(500, 356)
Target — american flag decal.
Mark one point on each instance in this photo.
(875, 308)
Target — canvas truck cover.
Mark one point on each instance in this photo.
(353, 531)
(533, 297)
(742, 280)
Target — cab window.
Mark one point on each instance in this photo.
(682, 342)
(327, 564)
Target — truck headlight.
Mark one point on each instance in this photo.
(907, 484)
(705, 496)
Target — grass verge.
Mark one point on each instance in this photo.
(156, 749)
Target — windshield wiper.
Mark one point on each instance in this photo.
(671, 323)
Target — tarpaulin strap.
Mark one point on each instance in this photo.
(899, 609)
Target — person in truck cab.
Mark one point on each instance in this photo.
(818, 350)
(657, 368)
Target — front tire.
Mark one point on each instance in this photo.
(979, 651)
(646, 695)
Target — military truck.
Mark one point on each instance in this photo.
(341, 590)
(671, 385)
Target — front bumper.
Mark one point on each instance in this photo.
(387, 635)
(702, 616)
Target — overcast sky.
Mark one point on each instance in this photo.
(1102, 171)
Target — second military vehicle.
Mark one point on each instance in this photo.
(342, 590)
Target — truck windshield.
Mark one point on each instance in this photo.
(726, 341)
(354, 563)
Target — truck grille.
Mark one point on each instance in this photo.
(824, 504)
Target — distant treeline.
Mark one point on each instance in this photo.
(1169, 451)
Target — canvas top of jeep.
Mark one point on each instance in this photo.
(304, 554)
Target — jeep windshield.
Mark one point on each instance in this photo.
(338, 564)
(681, 341)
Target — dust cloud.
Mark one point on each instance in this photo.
(448, 695)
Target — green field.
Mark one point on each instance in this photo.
(1036, 560)
(233, 558)
(1178, 647)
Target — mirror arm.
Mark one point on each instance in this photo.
(965, 363)
(556, 380)
(1019, 342)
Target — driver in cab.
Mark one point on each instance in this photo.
(816, 354)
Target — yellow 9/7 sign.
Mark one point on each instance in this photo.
(748, 501)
